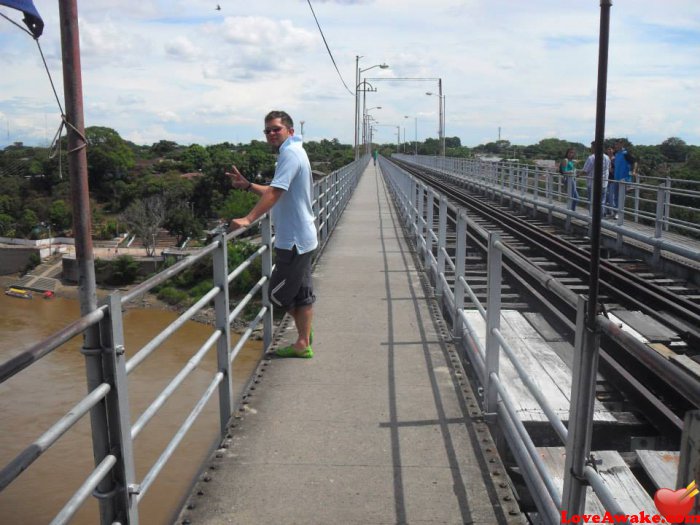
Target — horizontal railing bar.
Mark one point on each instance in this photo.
(473, 297)
(548, 510)
(85, 490)
(159, 401)
(169, 330)
(246, 334)
(245, 264)
(179, 435)
(248, 297)
(554, 420)
(168, 273)
(35, 352)
(606, 497)
(30, 454)
(527, 440)
(448, 259)
(480, 352)
(232, 235)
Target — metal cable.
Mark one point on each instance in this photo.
(329, 49)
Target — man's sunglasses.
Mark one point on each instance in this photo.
(277, 129)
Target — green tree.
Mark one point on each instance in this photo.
(60, 215)
(674, 149)
(181, 221)
(27, 222)
(109, 159)
(7, 225)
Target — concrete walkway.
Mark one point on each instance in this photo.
(380, 426)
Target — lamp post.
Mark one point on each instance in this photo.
(365, 120)
(358, 74)
(415, 141)
(441, 115)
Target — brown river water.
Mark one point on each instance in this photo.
(34, 399)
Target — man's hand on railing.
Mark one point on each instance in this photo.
(238, 223)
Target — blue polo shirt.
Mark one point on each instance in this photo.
(293, 214)
(622, 166)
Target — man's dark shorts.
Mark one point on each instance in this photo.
(290, 284)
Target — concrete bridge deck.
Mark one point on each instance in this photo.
(381, 425)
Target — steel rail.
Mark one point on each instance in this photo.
(646, 296)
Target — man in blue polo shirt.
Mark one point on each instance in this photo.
(289, 197)
(625, 169)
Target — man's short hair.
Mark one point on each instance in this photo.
(282, 115)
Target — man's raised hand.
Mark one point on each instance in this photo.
(238, 181)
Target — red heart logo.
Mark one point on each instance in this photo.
(674, 505)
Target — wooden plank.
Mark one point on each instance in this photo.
(662, 349)
(687, 363)
(544, 366)
(661, 466)
(616, 475)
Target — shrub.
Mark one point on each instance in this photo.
(172, 296)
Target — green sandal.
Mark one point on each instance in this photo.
(290, 351)
(311, 336)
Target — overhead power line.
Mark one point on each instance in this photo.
(329, 49)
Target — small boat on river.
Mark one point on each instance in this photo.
(18, 292)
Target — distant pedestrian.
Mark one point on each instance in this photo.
(289, 198)
(625, 169)
(588, 169)
(609, 201)
(375, 154)
(567, 168)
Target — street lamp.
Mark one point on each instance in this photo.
(365, 132)
(441, 116)
(358, 73)
(415, 142)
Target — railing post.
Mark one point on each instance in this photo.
(511, 185)
(442, 244)
(493, 320)
(460, 256)
(266, 269)
(667, 210)
(550, 197)
(582, 404)
(430, 209)
(118, 413)
(660, 218)
(620, 212)
(326, 210)
(421, 215)
(223, 345)
(411, 203)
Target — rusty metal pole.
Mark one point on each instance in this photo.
(598, 174)
(82, 231)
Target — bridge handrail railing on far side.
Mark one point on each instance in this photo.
(113, 480)
(664, 204)
(417, 205)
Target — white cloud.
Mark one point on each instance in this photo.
(190, 72)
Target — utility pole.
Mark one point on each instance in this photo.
(77, 167)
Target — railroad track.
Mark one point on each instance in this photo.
(660, 390)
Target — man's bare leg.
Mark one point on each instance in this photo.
(303, 316)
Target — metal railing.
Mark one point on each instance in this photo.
(113, 481)
(666, 205)
(416, 204)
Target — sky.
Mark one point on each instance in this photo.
(521, 70)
